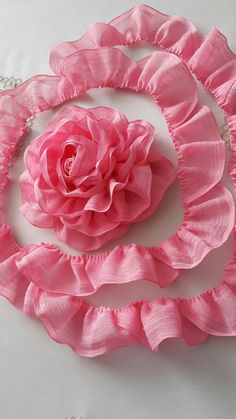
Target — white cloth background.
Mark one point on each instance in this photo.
(40, 379)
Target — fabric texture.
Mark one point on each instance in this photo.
(209, 209)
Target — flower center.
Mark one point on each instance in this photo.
(68, 165)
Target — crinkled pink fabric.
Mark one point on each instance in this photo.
(91, 173)
(209, 211)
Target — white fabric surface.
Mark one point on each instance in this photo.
(40, 379)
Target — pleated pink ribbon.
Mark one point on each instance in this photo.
(55, 297)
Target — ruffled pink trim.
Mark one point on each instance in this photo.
(178, 36)
(91, 330)
(84, 275)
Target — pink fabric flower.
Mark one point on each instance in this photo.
(92, 173)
